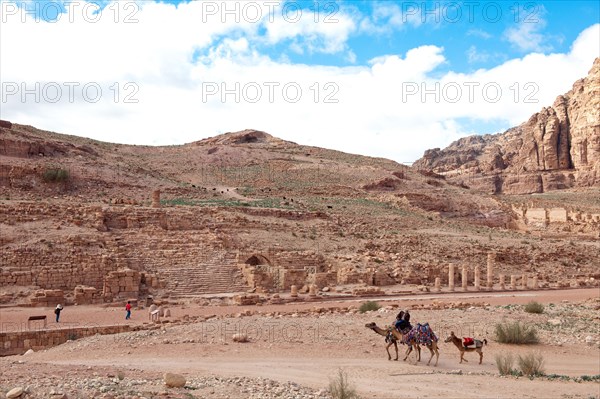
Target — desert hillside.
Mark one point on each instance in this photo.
(557, 148)
(248, 211)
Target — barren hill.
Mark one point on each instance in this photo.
(99, 222)
(557, 148)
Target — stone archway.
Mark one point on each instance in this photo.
(260, 272)
(258, 260)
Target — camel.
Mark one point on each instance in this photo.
(391, 340)
(422, 334)
(458, 343)
(412, 338)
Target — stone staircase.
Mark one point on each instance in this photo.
(189, 266)
(204, 278)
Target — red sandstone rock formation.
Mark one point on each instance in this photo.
(558, 147)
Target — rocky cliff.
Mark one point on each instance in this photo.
(557, 148)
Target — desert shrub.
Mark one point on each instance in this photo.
(590, 377)
(531, 364)
(368, 306)
(55, 175)
(534, 307)
(516, 333)
(504, 362)
(558, 377)
(340, 387)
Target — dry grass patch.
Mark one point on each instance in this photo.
(516, 333)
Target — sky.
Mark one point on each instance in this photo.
(380, 78)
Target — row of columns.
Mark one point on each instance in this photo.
(312, 291)
(489, 278)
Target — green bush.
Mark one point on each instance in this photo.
(340, 387)
(368, 306)
(531, 364)
(504, 362)
(516, 333)
(534, 307)
(55, 175)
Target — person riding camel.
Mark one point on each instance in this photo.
(402, 322)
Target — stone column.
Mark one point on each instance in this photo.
(490, 270)
(477, 278)
(535, 283)
(502, 287)
(438, 284)
(524, 281)
(465, 276)
(451, 277)
(312, 290)
(294, 291)
(156, 199)
(513, 282)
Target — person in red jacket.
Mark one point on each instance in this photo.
(128, 309)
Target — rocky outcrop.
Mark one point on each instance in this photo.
(557, 148)
(16, 143)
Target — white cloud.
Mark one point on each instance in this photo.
(479, 33)
(527, 34)
(371, 115)
(474, 55)
(324, 31)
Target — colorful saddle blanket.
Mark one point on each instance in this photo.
(468, 341)
(424, 334)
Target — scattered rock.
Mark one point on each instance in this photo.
(14, 393)
(240, 338)
(174, 380)
(589, 340)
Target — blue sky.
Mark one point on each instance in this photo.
(354, 63)
(473, 33)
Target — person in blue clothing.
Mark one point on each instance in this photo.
(402, 321)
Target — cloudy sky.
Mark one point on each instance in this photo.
(379, 78)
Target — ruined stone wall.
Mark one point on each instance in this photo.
(325, 279)
(557, 215)
(544, 218)
(45, 298)
(301, 260)
(294, 277)
(52, 268)
(122, 284)
(15, 339)
(536, 217)
(181, 246)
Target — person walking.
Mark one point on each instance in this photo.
(128, 309)
(57, 311)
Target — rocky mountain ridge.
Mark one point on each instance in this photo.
(557, 148)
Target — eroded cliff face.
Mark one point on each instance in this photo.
(557, 148)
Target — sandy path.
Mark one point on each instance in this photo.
(311, 362)
(16, 317)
